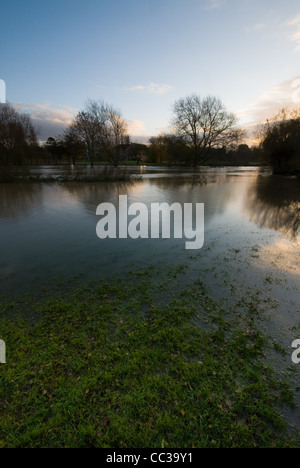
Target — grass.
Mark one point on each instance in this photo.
(146, 363)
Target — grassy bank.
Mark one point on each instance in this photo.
(152, 361)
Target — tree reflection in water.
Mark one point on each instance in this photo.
(19, 199)
(274, 203)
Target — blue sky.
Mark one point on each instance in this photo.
(142, 55)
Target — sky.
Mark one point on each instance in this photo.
(143, 55)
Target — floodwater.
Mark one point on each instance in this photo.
(252, 242)
(48, 231)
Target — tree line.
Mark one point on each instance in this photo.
(280, 140)
(95, 134)
(203, 132)
(18, 138)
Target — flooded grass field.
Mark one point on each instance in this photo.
(233, 307)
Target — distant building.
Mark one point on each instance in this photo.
(133, 152)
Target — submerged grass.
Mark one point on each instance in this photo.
(127, 365)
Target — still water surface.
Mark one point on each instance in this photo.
(48, 232)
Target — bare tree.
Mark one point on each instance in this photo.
(102, 129)
(204, 124)
(74, 148)
(86, 128)
(17, 136)
(280, 140)
(114, 133)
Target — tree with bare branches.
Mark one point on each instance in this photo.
(280, 140)
(17, 136)
(204, 123)
(102, 129)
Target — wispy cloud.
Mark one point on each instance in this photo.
(213, 4)
(295, 24)
(293, 21)
(151, 88)
(283, 95)
(256, 27)
(96, 85)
